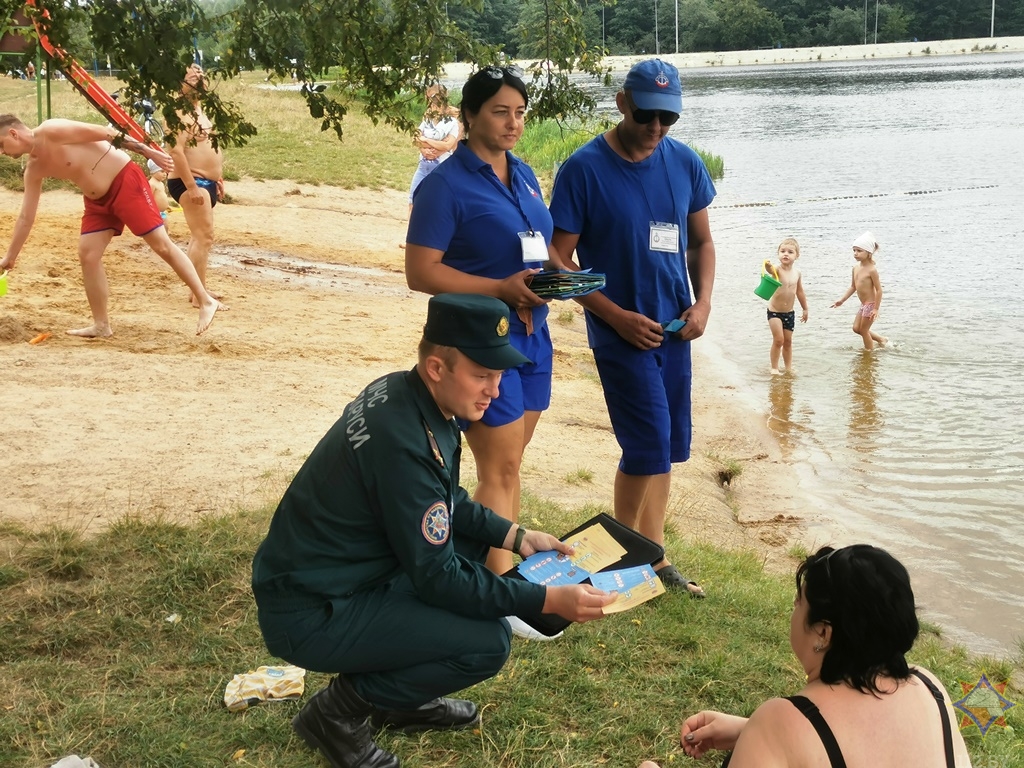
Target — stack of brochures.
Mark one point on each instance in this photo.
(595, 550)
(562, 284)
(611, 556)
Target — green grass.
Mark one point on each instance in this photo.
(798, 552)
(580, 476)
(91, 666)
(566, 316)
(547, 145)
(714, 163)
(290, 145)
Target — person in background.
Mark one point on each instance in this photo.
(863, 706)
(632, 204)
(479, 225)
(437, 135)
(197, 182)
(373, 567)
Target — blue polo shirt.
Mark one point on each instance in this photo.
(463, 209)
(610, 203)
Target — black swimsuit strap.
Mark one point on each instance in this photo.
(947, 731)
(828, 739)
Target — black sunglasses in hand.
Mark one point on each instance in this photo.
(645, 116)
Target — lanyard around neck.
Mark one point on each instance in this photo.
(509, 192)
(635, 164)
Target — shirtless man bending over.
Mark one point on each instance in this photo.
(196, 181)
(116, 195)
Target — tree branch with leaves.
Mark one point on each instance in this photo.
(380, 54)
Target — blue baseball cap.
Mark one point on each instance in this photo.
(654, 84)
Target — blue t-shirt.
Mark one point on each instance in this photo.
(463, 209)
(610, 203)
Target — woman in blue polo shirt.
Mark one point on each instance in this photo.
(479, 225)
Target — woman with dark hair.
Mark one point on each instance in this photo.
(480, 225)
(863, 706)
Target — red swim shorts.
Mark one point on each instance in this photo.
(128, 202)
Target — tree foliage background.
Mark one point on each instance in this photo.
(627, 27)
(380, 54)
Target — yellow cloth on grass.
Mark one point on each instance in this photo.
(264, 684)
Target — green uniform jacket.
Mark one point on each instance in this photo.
(378, 496)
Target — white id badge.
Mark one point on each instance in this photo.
(534, 247)
(664, 237)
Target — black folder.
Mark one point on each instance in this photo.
(639, 551)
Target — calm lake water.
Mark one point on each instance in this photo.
(917, 448)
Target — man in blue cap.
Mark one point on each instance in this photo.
(373, 568)
(632, 204)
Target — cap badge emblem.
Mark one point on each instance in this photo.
(661, 80)
(502, 328)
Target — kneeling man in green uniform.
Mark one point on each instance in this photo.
(373, 568)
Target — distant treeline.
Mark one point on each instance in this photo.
(629, 27)
(646, 26)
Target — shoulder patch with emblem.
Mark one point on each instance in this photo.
(436, 523)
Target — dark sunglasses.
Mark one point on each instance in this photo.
(645, 116)
(498, 73)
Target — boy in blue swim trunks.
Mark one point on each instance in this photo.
(781, 315)
(633, 204)
(197, 181)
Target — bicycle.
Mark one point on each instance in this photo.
(149, 123)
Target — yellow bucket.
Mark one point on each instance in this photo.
(3, 283)
(767, 287)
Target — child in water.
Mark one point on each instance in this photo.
(781, 315)
(868, 287)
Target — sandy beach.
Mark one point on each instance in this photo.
(158, 422)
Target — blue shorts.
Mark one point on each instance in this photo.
(648, 398)
(177, 188)
(526, 387)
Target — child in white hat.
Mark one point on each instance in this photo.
(866, 284)
(158, 188)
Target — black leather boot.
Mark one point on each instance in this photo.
(439, 714)
(336, 722)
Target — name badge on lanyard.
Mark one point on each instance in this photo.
(534, 247)
(664, 237)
